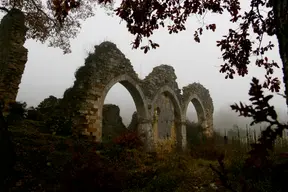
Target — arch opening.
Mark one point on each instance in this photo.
(117, 112)
(129, 99)
(191, 114)
(195, 119)
(194, 110)
(199, 110)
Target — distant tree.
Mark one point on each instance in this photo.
(34, 114)
(17, 112)
(48, 105)
(56, 118)
(236, 132)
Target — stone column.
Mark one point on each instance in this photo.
(181, 136)
(146, 132)
(13, 55)
(93, 116)
(207, 126)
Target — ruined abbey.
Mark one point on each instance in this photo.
(161, 107)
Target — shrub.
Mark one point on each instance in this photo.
(34, 114)
(59, 125)
(129, 140)
(17, 112)
(206, 151)
(48, 105)
(194, 133)
(87, 171)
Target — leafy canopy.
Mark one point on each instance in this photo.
(43, 26)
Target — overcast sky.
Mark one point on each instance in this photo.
(49, 72)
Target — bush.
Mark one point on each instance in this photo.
(17, 112)
(129, 140)
(208, 151)
(48, 105)
(87, 171)
(194, 133)
(59, 125)
(34, 114)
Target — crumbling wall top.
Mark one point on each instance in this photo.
(201, 92)
(108, 62)
(160, 76)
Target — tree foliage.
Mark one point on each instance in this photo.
(144, 17)
(48, 105)
(44, 27)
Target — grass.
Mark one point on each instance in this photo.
(41, 160)
(46, 162)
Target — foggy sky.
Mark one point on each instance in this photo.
(49, 72)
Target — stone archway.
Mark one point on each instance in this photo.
(135, 91)
(197, 103)
(202, 101)
(102, 69)
(108, 66)
(93, 105)
(168, 107)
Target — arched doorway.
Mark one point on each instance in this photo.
(195, 119)
(199, 96)
(117, 112)
(135, 92)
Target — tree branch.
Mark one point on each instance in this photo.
(45, 14)
(4, 9)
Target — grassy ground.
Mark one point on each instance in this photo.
(46, 162)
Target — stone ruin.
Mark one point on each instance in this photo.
(161, 107)
(111, 122)
(13, 54)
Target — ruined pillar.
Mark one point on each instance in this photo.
(181, 136)
(13, 55)
(209, 129)
(145, 130)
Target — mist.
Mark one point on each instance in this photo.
(49, 72)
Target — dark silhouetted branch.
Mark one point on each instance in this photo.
(4, 9)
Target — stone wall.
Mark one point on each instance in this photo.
(164, 124)
(158, 91)
(13, 55)
(134, 122)
(165, 117)
(112, 124)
